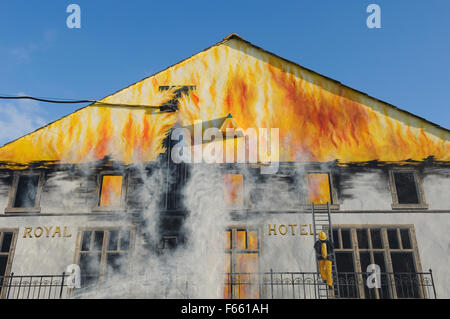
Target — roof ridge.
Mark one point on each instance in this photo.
(233, 36)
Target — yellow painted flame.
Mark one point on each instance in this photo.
(319, 188)
(111, 191)
(234, 191)
(318, 119)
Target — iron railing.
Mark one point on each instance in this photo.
(34, 287)
(272, 285)
(267, 285)
(391, 286)
(306, 285)
(42, 286)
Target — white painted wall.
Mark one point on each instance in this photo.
(370, 190)
(436, 185)
(364, 191)
(46, 255)
(432, 238)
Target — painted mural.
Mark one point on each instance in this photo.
(319, 119)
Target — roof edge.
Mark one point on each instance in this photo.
(235, 36)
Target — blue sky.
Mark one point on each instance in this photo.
(405, 63)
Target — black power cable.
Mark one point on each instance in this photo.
(81, 101)
(45, 100)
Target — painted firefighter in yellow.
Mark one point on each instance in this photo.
(323, 249)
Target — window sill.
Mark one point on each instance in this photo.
(321, 207)
(14, 210)
(109, 209)
(409, 206)
(297, 208)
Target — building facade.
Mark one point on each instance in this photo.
(102, 189)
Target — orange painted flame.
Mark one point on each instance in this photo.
(319, 188)
(111, 191)
(318, 119)
(247, 267)
(234, 189)
(243, 271)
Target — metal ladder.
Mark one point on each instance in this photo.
(321, 220)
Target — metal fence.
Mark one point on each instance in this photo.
(267, 285)
(41, 286)
(391, 286)
(34, 287)
(308, 285)
(271, 285)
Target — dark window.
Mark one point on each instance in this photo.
(406, 242)
(3, 263)
(90, 268)
(177, 177)
(6, 242)
(348, 286)
(378, 258)
(393, 239)
(336, 242)
(346, 238)
(406, 188)
(384, 292)
(376, 238)
(364, 257)
(363, 238)
(117, 252)
(113, 240)
(406, 280)
(125, 240)
(403, 262)
(103, 252)
(86, 241)
(26, 191)
(344, 261)
(98, 240)
(114, 262)
(388, 247)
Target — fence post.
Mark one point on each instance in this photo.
(432, 282)
(293, 286)
(9, 286)
(62, 285)
(271, 282)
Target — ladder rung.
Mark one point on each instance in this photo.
(321, 217)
